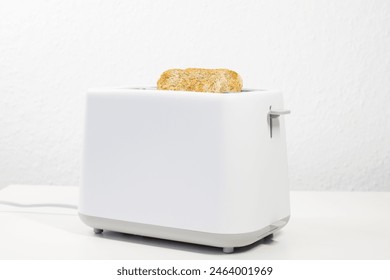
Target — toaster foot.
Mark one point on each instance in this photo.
(269, 237)
(97, 231)
(228, 250)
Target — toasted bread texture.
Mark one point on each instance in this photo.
(201, 80)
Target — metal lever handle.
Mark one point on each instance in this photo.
(274, 114)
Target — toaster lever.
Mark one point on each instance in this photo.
(274, 114)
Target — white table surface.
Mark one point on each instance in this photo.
(323, 225)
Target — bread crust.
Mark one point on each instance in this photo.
(201, 80)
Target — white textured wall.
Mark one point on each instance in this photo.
(331, 58)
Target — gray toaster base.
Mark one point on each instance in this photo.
(226, 241)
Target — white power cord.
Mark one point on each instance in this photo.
(59, 205)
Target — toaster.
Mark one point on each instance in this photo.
(195, 167)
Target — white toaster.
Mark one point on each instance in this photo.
(195, 167)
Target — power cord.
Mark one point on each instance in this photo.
(58, 205)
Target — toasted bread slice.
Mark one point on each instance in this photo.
(201, 80)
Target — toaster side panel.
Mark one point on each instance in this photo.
(256, 176)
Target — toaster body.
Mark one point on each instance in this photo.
(194, 167)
